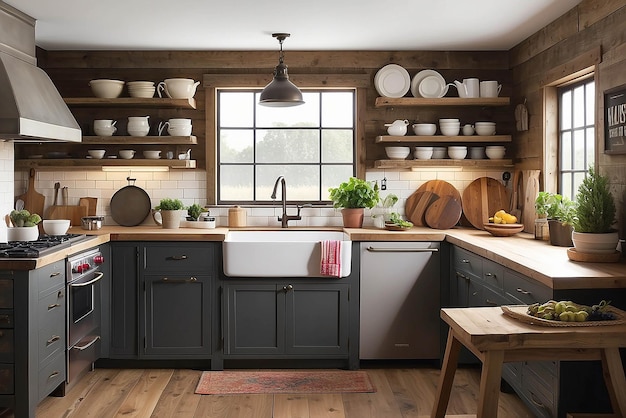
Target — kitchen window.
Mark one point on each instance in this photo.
(576, 134)
(312, 145)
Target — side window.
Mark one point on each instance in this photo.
(576, 134)
(312, 145)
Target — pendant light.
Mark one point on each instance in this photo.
(281, 92)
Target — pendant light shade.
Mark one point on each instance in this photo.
(281, 92)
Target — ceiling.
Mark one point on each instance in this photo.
(246, 25)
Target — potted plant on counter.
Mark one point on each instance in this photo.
(352, 197)
(593, 227)
(561, 213)
(167, 213)
(24, 226)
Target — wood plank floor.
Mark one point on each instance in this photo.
(163, 393)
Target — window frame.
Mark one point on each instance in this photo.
(213, 82)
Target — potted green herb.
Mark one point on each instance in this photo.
(352, 197)
(24, 226)
(593, 227)
(194, 211)
(561, 214)
(167, 213)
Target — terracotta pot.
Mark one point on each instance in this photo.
(352, 217)
(560, 235)
(585, 242)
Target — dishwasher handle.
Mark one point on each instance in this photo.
(401, 250)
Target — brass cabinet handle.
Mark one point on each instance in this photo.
(56, 273)
(189, 280)
(53, 375)
(54, 305)
(178, 257)
(523, 292)
(53, 339)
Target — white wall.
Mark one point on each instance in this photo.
(190, 187)
(6, 184)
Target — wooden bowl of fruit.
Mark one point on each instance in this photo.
(503, 224)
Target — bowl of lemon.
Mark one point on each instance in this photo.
(503, 224)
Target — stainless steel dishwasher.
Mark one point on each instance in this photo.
(399, 300)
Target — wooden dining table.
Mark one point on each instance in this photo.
(496, 338)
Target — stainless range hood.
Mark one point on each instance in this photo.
(31, 108)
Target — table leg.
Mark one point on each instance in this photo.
(448, 369)
(490, 384)
(615, 380)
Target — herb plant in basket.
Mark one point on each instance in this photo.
(352, 197)
(593, 227)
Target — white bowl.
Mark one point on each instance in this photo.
(397, 153)
(97, 153)
(127, 154)
(179, 130)
(423, 153)
(56, 226)
(137, 129)
(180, 88)
(145, 93)
(495, 152)
(152, 154)
(179, 121)
(424, 128)
(449, 130)
(440, 153)
(135, 84)
(457, 153)
(449, 120)
(106, 89)
(104, 131)
(477, 153)
(24, 233)
(485, 130)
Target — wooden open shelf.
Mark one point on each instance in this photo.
(96, 164)
(140, 140)
(444, 101)
(154, 102)
(442, 139)
(408, 164)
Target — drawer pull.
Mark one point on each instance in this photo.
(53, 375)
(99, 275)
(489, 275)
(465, 261)
(523, 292)
(491, 303)
(53, 339)
(54, 305)
(55, 274)
(287, 288)
(462, 276)
(536, 401)
(178, 257)
(86, 346)
(402, 250)
(5, 318)
(189, 280)
(60, 294)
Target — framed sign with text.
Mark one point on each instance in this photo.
(615, 121)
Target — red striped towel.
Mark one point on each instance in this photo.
(330, 263)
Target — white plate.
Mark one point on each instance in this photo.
(417, 79)
(392, 81)
(432, 87)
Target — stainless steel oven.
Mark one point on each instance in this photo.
(84, 277)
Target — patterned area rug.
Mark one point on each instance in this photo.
(322, 381)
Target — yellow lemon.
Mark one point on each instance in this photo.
(508, 218)
(500, 213)
(497, 220)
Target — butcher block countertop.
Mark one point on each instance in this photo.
(539, 260)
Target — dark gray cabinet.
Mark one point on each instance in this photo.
(284, 318)
(123, 305)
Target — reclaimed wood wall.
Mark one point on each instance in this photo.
(593, 32)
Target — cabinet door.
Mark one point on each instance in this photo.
(177, 316)
(123, 313)
(317, 318)
(254, 319)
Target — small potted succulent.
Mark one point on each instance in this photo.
(24, 226)
(593, 227)
(167, 213)
(352, 197)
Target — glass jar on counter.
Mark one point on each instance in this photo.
(542, 232)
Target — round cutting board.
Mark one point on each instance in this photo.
(441, 188)
(130, 205)
(443, 213)
(482, 198)
(416, 206)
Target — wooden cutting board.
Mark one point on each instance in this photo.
(482, 198)
(441, 188)
(530, 187)
(33, 200)
(91, 203)
(416, 206)
(443, 213)
(73, 213)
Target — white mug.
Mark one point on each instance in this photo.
(490, 88)
(472, 87)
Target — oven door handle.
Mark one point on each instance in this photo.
(86, 346)
(99, 275)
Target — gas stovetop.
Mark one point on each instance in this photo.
(46, 244)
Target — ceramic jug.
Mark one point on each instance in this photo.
(398, 127)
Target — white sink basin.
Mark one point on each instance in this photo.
(282, 253)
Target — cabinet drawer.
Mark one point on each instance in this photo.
(493, 274)
(51, 376)
(50, 278)
(6, 379)
(6, 293)
(50, 341)
(6, 318)
(178, 257)
(51, 308)
(541, 397)
(7, 346)
(467, 261)
(525, 290)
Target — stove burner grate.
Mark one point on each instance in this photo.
(33, 249)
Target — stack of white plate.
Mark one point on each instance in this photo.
(429, 84)
(392, 81)
(141, 89)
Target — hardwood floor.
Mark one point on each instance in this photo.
(163, 393)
